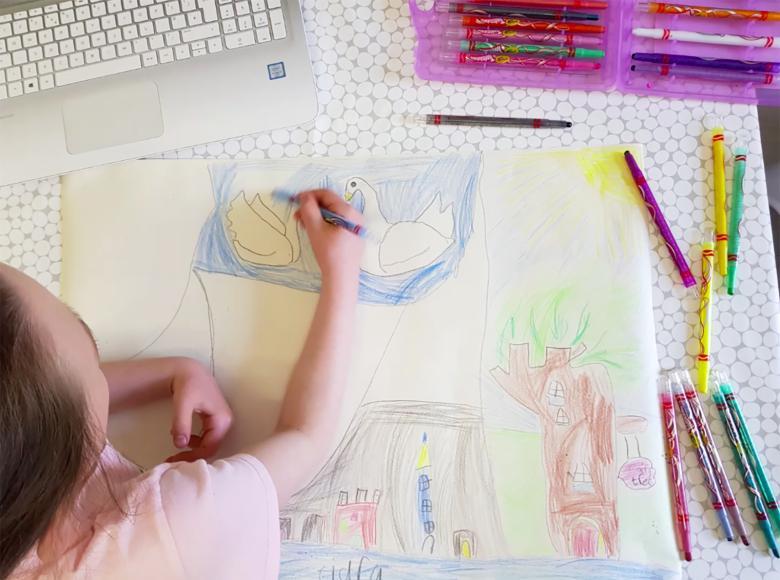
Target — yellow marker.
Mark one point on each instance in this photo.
(705, 310)
(719, 172)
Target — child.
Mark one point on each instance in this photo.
(71, 506)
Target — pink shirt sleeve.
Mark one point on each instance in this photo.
(224, 518)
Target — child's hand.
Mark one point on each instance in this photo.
(195, 391)
(338, 251)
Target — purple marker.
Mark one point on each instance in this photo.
(660, 220)
(708, 74)
(717, 63)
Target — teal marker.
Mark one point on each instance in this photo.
(747, 474)
(740, 161)
(529, 49)
(750, 448)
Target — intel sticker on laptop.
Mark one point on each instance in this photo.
(276, 71)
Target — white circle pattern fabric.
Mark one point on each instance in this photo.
(363, 57)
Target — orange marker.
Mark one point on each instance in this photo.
(707, 11)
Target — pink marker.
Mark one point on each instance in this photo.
(674, 459)
(513, 60)
(525, 37)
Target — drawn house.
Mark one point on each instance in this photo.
(575, 408)
(355, 523)
(396, 448)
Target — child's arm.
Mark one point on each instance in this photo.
(193, 389)
(311, 405)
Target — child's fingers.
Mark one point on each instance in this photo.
(215, 428)
(309, 212)
(329, 200)
(181, 430)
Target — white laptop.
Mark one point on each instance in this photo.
(85, 82)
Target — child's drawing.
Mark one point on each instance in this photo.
(418, 212)
(498, 420)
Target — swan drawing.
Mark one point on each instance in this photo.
(259, 235)
(403, 246)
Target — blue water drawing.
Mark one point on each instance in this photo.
(315, 562)
(419, 214)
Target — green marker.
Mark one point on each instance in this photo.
(747, 474)
(528, 49)
(740, 158)
(755, 462)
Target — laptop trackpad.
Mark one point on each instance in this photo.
(113, 116)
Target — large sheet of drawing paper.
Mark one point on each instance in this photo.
(501, 417)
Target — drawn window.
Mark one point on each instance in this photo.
(555, 393)
(429, 527)
(582, 474)
(425, 506)
(423, 482)
(561, 418)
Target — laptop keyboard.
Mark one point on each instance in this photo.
(79, 40)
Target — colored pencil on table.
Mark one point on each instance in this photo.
(705, 37)
(710, 479)
(479, 121)
(705, 313)
(740, 161)
(747, 442)
(717, 63)
(674, 459)
(660, 221)
(747, 474)
(729, 500)
(706, 11)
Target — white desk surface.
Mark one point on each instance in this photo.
(362, 52)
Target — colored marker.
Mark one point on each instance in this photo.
(747, 474)
(747, 442)
(523, 37)
(660, 221)
(704, 461)
(327, 215)
(729, 500)
(519, 61)
(707, 74)
(716, 63)
(706, 38)
(705, 313)
(740, 161)
(590, 4)
(719, 177)
(476, 121)
(514, 11)
(706, 11)
(674, 459)
(523, 24)
(532, 49)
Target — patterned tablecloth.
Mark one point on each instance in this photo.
(362, 52)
